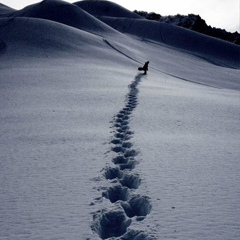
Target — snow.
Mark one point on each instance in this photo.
(92, 149)
(190, 152)
(106, 8)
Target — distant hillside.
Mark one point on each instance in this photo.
(195, 23)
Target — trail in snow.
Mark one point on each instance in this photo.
(128, 206)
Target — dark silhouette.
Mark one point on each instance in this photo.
(144, 68)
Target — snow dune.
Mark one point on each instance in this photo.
(64, 13)
(179, 38)
(106, 8)
(91, 149)
(182, 39)
(5, 9)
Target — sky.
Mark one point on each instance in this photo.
(217, 13)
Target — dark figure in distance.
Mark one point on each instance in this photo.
(144, 68)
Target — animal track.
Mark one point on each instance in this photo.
(115, 223)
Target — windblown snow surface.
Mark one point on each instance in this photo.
(92, 149)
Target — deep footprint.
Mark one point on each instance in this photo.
(117, 193)
(120, 160)
(118, 149)
(130, 165)
(131, 181)
(123, 129)
(127, 144)
(116, 141)
(123, 136)
(137, 206)
(130, 153)
(110, 223)
(112, 173)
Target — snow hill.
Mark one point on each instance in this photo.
(5, 9)
(195, 23)
(91, 148)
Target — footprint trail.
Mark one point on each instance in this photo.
(128, 206)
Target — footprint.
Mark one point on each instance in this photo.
(123, 129)
(118, 149)
(130, 165)
(108, 224)
(122, 116)
(137, 206)
(125, 112)
(125, 117)
(119, 120)
(120, 160)
(117, 125)
(119, 136)
(112, 173)
(124, 136)
(119, 115)
(127, 144)
(131, 181)
(116, 141)
(130, 153)
(117, 193)
(124, 123)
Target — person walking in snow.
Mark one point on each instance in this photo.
(144, 68)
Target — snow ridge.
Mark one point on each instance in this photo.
(128, 206)
(194, 23)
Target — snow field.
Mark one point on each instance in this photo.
(167, 168)
(190, 150)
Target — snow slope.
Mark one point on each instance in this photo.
(63, 12)
(92, 149)
(197, 44)
(106, 8)
(5, 9)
